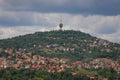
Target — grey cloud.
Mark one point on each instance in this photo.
(25, 19)
(114, 37)
(102, 7)
(107, 31)
(16, 31)
(15, 19)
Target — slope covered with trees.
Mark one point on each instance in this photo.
(75, 45)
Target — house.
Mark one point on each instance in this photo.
(77, 64)
(1, 49)
(27, 66)
(73, 73)
(16, 66)
(92, 77)
(105, 78)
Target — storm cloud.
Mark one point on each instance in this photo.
(102, 7)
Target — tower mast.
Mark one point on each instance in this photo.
(61, 24)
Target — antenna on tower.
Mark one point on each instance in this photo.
(61, 24)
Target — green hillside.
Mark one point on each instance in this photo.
(74, 45)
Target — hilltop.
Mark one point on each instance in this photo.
(74, 45)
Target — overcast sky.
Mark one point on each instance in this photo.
(100, 18)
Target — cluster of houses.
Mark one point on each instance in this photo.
(103, 45)
(20, 60)
(105, 63)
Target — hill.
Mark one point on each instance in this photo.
(59, 55)
(74, 45)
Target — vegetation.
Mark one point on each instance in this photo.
(73, 45)
(84, 44)
(30, 74)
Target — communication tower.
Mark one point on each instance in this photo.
(61, 24)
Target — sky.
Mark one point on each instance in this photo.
(100, 18)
